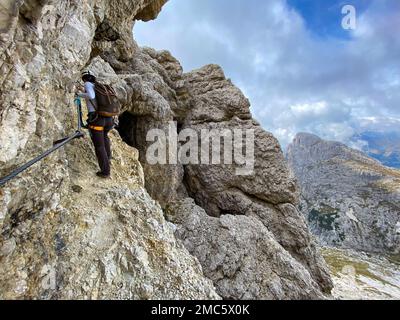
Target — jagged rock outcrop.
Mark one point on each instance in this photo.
(218, 104)
(64, 234)
(205, 99)
(269, 193)
(266, 271)
(349, 199)
(96, 239)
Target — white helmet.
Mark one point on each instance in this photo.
(88, 76)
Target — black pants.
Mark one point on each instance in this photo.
(99, 130)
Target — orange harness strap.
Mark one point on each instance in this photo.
(96, 128)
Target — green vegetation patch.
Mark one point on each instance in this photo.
(324, 218)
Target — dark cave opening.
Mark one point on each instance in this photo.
(127, 127)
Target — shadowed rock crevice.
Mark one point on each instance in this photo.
(105, 32)
(127, 129)
(30, 10)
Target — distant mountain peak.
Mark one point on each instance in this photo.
(304, 138)
(315, 148)
(349, 199)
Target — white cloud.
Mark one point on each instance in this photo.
(295, 81)
(310, 109)
(359, 145)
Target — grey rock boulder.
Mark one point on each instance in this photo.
(241, 256)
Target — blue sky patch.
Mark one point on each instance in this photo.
(324, 17)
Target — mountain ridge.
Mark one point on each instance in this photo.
(383, 146)
(349, 199)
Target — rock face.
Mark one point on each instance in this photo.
(65, 234)
(266, 271)
(349, 199)
(205, 99)
(218, 104)
(96, 239)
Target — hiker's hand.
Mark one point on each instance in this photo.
(79, 87)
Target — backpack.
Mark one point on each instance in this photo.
(107, 101)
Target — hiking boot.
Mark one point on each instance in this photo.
(102, 175)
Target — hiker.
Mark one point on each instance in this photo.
(100, 125)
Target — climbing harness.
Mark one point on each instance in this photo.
(96, 128)
(56, 145)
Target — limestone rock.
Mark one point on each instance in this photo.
(269, 193)
(153, 92)
(205, 99)
(96, 239)
(66, 234)
(241, 256)
(349, 199)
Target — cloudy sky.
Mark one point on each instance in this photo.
(300, 69)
